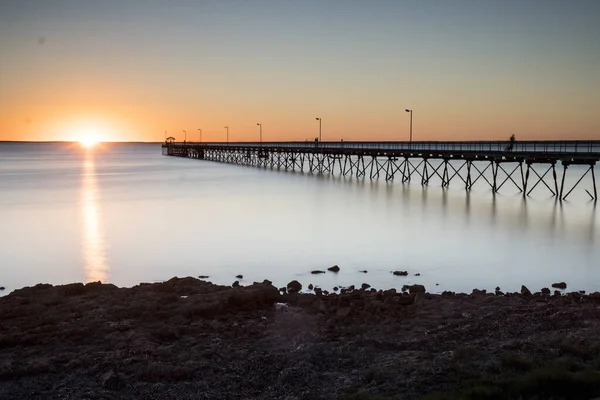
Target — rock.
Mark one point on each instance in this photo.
(400, 273)
(419, 297)
(477, 292)
(2, 288)
(559, 285)
(499, 293)
(405, 288)
(557, 293)
(319, 305)
(310, 286)
(318, 291)
(335, 288)
(239, 276)
(316, 271)
(267, 282)
(335, 268)
(389, 293)
(113, 381)
(283, 290)
(217, 325)
(447, 293)
(203, 277)
(417, 274)
(525, 291)
(350, 288)
(416, 289)
(497, 288)
(343, 312)
(364, 271)
(365, 286)
(582, 291)
(373, 290)
(437, 284)
(294, 286)
(235, 284)
(545, 291)
(405, 300)
(326, 292)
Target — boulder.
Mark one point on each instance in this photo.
(267, 282)
(400, 273)
(365, 286)
(318, 291)
(559, 285)
(417, 274)
(335, 288)
(447, 293)
(239, 276)
(405, 288)
(203, 277)
(294, 287)
(416, 289)
(283, 290)
(525, 291)
(557, 293)
(310, 286)
(2, 288)
(335, 268)
(545, 291)
(316, 271)
(235, 284)
(477, 292)
(364, 271)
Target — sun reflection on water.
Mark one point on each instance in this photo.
(94, 247)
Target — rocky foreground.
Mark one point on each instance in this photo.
(190, 339)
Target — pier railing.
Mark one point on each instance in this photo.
(580, 147)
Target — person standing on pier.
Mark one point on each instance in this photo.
(511, 144)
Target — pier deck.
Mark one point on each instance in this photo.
(462, 161)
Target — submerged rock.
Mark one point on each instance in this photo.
(239, 276)
(364, 271)
(335, 268)
(316, 271)
(203, 277)
(310, 286)
(559, 285)
(400, 273)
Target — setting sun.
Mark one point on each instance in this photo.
(88, 142)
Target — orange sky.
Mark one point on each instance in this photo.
(116, 74)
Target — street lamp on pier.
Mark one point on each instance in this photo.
(184, 136)
(227, 130)
(319, 119)
(410, 111)
(200, 130)
(260, 129)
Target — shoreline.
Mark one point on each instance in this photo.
(188, 338)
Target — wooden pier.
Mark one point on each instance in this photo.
(524, 164)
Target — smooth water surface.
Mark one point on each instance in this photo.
(125, 214)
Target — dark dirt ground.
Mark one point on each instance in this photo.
(190, 339)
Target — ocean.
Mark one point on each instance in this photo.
(125, 214)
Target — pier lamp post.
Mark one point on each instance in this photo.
(227, 130)
(410, 111)
(200, 130)
(260, 129)
(319, 119)
(184, 136)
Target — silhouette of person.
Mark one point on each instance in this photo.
(511, 143)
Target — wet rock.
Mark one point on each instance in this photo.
(478, 292)
(525, 291)
(310, 286)
(499, 293)
(437, 284)
(400, 273)
(235, 284)
(373, 290)
(559, 285)
(365, 286)
(447, 293)
(267, 282)
(283, 290)
(318, 291)
(335, 288)
(497, 288)
(316, 271)
(294, 287)
(545, 291)
(239, 276)
(389, 293)
(582, 291)
(335, 268)
(417, 274)
(416, 289)
(364, 271)
(203, 277)
(326, 292)
(113, 381)
(2, 288)
(557, 293)
(350, 288)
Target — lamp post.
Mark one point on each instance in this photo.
(184, 136)
(200, 130)
(410, 111)
(260, 125)
(227, 129)
(319, 119)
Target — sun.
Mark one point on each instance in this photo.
(88, 142)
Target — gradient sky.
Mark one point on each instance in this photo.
(129, 70)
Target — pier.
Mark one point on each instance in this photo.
(527, 165)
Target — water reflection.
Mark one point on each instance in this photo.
(94, 247)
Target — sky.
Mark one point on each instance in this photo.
(132, 70)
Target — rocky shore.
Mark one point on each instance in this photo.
(190, 339)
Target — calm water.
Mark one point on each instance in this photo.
(123, 213)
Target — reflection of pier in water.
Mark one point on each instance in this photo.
(524, 165)
(94, 248)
